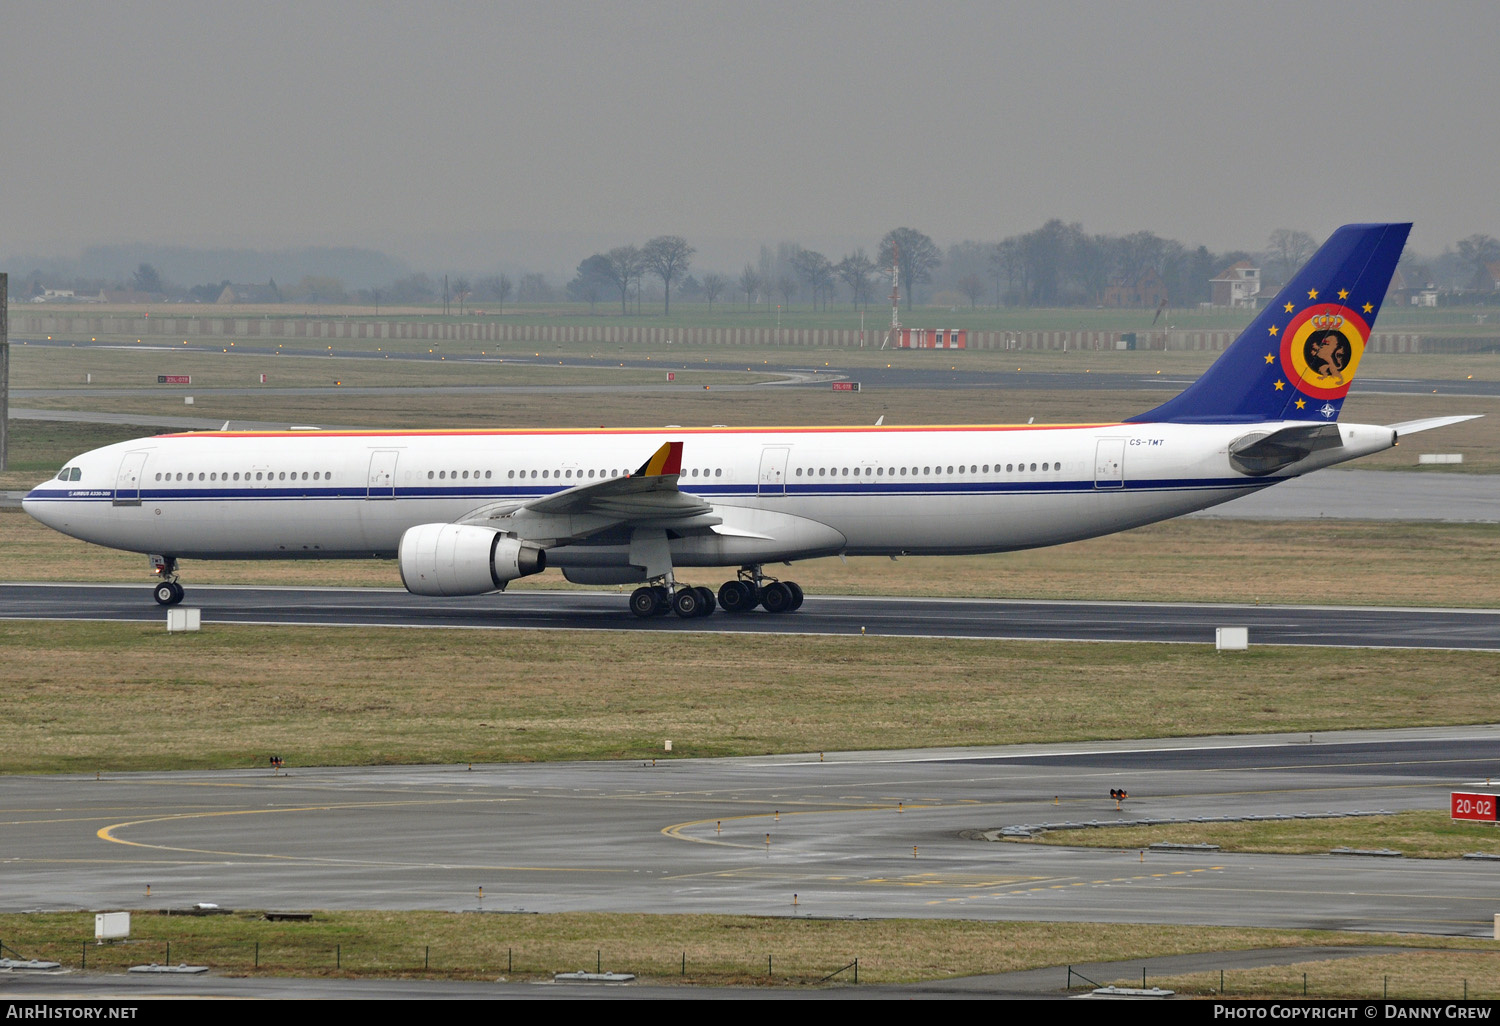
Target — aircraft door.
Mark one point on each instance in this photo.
(772, 471)
(382, 475)
(1109, 463)
(128, 480)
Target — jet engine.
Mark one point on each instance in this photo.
(462, 559)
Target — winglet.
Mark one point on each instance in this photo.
(666, 460)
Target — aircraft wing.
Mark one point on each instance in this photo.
(647, 498)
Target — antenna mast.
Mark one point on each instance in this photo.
(894, 338)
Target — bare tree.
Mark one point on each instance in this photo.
(916, 256)
(972, 286)
(1290, 250)
(622, 266)
(1005, 262)
(667, 256)
(787, 286)
(462, 289)
(750, 283)
(815, 270)
(533, 288)
(713, 286)
(854, 271)
(497, 287)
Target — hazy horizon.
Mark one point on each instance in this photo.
(441, 134)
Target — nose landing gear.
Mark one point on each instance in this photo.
(167, 591)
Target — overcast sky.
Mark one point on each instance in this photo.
(438, 132)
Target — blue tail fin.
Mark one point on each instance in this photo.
(1298, 357)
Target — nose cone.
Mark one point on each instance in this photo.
(40, 504)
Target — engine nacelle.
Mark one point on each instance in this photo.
(462, 559)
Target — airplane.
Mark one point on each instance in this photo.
(467, 512)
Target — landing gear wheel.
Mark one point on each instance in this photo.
(688, 603)
(168, 593)
(663, 600)
(738, 597)
(796, 590)
(707, 597)
(778, 598)
(644, 602)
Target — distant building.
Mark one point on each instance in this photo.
(250, 293)
(1146, 291)
(1238, 285)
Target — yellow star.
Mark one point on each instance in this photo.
(1289, 308)
(1301, 403)
(1369, 307)
(1312, 293)
(1270, 358)
(1280, 385)
(1343, 293)
(1273, 329)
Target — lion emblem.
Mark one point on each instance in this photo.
(1327, 354)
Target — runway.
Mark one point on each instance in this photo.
(1373, 627)
(874, 834)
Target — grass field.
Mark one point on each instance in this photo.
(731, 312)
(83, 697)
(705, 950)
(1404, 976)
(1423, 835)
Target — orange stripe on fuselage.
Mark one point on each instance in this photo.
(485, 432)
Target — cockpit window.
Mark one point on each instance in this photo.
(65, 474)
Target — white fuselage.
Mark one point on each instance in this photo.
(781, 494)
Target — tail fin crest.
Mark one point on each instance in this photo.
(1298, 357)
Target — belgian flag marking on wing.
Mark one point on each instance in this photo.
(666, 460)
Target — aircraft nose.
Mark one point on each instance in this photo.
(36, 505)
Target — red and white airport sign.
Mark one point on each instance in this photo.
(846, 386)
(1469, 805)
(174, 379)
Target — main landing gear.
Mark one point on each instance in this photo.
(750, 589)
(167, 591)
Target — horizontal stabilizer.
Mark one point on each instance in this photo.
(1260, 453)
(1411, 427)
